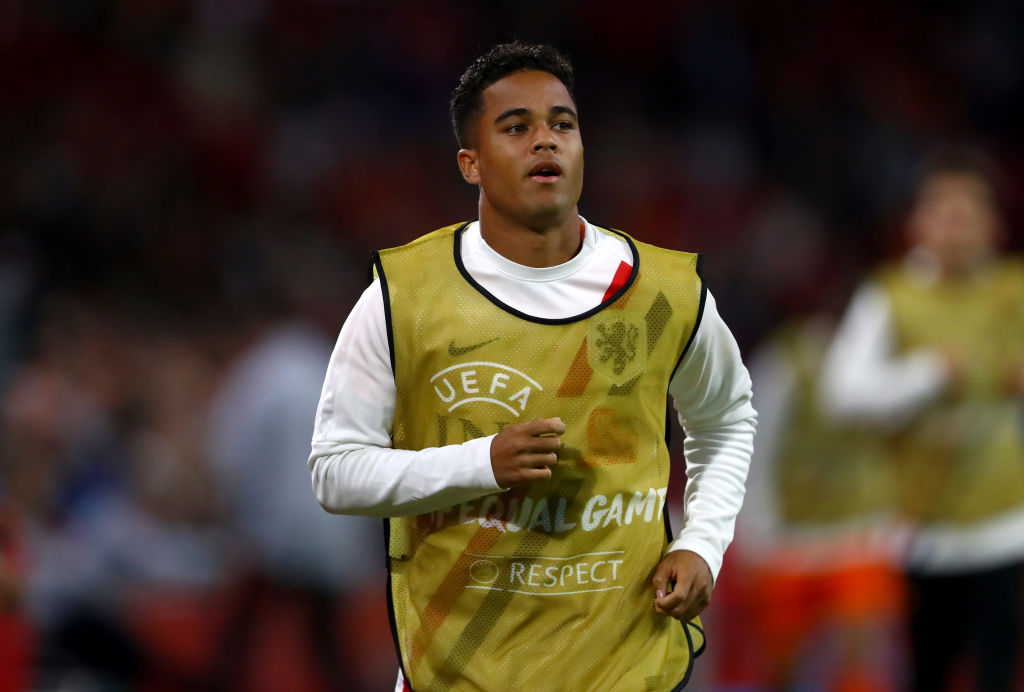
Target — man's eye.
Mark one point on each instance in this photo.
(563, 125)
(516, 129)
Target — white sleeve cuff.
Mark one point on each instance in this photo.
(707, 551)
(479, 471)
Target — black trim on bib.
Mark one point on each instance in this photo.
(693, 654)
(700, 312)
(703, 636)
(391, 603)
(375, 259)
(546, 320)
(686, 348)
(668, 443)
(668, 523)
(371, 269)
(375, 262)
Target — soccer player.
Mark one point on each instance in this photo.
(931, 350)
(499, 394)
(816, 534)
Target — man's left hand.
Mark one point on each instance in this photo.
(693, 584)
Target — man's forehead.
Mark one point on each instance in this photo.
(526, 88)
(955, 183)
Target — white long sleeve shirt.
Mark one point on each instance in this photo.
(355, 470)
(865, 380)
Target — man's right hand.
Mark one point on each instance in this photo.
(525, 452)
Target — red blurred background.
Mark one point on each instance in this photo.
(189, 192)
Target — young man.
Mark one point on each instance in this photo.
(498, 393)
(931, 350)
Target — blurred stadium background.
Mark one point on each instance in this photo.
(189, 191)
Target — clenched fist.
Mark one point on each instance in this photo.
(692, 590)
(525, 452)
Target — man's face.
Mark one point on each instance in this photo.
(527, 155)
(955, 219)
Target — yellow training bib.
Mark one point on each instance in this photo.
(546, 587)
(962, 458)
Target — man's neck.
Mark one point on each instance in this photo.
(931, 264)
(546, 246)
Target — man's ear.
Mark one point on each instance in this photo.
(469, 164)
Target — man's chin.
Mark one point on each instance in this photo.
(545, 217)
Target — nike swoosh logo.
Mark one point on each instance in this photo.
(455, 351)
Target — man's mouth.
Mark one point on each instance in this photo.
(545, 172)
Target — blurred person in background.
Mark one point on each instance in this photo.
(931, 351)
(292, 552)
(817, 592)
(64, 474)
(816, 534)
(527, 551)
(107, 500)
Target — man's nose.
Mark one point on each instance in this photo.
(544, 141)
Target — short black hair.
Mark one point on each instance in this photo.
(497, 63)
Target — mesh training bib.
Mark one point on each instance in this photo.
(962, 458)
(824, 473)
(546, 587)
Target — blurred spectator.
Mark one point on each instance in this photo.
(817, 597)
(816, 533)
(258, 436)
(931, 351)
(104, 510)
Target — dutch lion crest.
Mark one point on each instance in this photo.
(617, 348)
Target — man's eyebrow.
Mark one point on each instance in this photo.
(555, 110)
(559, 110)
(512, 112)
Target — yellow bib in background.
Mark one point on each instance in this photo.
(824, 473)
(962, 458)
